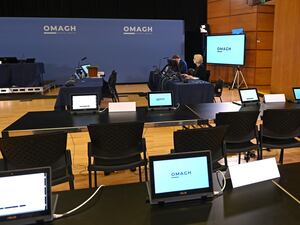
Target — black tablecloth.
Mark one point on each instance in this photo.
(188, 92)
(21, 74)
(83, 86)
(192, 92)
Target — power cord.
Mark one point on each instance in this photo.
(217, 193)
(57, 216)
(100, 111)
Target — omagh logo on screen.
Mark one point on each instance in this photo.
(132, 30)
(223, 49)
(59, 29)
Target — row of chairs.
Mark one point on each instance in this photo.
(121, 146)
(237, 132)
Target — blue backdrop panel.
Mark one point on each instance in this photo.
(131, 47)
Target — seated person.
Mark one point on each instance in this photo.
(199, 71)
(181, 64)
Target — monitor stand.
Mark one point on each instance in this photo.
(238, 79)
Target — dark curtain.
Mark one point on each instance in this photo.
(193, 12)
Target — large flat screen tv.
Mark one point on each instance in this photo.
(226, 49)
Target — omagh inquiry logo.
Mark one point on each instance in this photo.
(133, 30)
(59, 29)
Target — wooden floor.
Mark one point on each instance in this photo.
(159, 140)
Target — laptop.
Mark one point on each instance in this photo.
(296, 91)
(84, 103)
(25, 196)
(249, 96)
(180, 177)
(161, 100)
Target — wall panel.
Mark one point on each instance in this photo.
(263, 76)
(219, 25)
(251, 40)
(265, 40)
(219, 8)
(241, 7)
(247, 21)
(263, 58)
(265, 22)
(286, 47)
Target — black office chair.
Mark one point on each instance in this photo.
(116, 147)
(219, 89)
(279, 129)
(39, 150)
(240, 132)
(109, 90)
(202, 139)
(207, 75)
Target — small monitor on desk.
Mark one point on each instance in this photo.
(180, 176)
(249, 95)
(160, 100)
(296, 92)
(85, 69)
(25, 196)
(84, 103)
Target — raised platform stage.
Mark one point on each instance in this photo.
(39, 89)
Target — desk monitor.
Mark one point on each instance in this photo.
(84, 103)
(296, 91)
(25, 196)
(160, 100)
(85, 69)
(180, 176)
(249, 95)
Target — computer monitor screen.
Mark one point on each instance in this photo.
(226, 49)
(296, 91)
(84, 102)
(248, 95)
(85, 68)
(181, 175)
(160, 99)
(25, 195)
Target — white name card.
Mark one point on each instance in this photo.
(253, 172)
(274, 98)
(121, 107)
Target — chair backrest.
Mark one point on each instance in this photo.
(219, 87)
(281, 123)
(38, 150)
(207, 73)
(112, 80)
(201, 139)
(241, 125)
(274, 98)
(118, 140)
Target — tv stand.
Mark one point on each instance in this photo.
(238, 79)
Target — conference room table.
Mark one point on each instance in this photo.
(262, 203)
(48, 121)
(191, 91)
(82, 86)
(21, 74)
(184, 92)
(207, 111)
